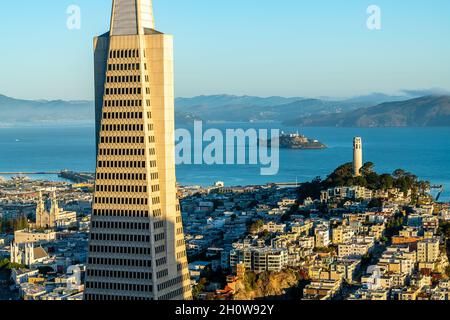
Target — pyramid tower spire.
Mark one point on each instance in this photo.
(131, 17)
(136, 247)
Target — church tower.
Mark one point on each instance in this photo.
(40, 212)
(54, 210)
(136, 247)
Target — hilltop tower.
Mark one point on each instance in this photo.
(136, 247)
(357, 156)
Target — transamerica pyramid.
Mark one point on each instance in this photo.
(136, 247)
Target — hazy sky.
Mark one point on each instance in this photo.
(256, 47)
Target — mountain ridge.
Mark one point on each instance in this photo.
(232, 108)
(427, 111)
(369, 110)
(21, 112)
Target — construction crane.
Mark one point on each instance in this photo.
(440, 190)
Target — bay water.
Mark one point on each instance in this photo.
(422, 151)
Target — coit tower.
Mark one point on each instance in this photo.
(136, 245)
(357, 156)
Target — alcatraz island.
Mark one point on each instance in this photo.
(298, 142)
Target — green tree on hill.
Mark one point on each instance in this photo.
(310, 189)
(387, 181)
(367, 168)
(11, 225)
(256, 226)
(399, 173)
(343, 176)
(20, 224)
(199, 288)
(7, 264)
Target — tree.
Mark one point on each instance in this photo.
(9, 226)
(265, 234)
(4, 263)
(256, 226)
(372, 180)
(445, 229)
(399, 173)
(199, 288)
(447, 271)
(343, 176)
(366, 259)
(21, 224)
(310, 189)
(386, 181)
(367, 168)
(394, 225)
(375, 203)
(423, 187)
(250, 280)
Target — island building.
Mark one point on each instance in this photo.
(357, 156)
(136, 246)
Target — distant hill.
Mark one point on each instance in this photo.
(419, 112)
(42, 112)
(372, 110)
(18, 112)
(214, 101)
(377, 98)
(229, 108)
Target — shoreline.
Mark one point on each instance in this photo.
(444, 199)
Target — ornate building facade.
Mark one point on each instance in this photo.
(46, 219)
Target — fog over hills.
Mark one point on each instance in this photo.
(376, 109)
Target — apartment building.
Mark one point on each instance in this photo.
(428, 253)
(259, 259)
(322, 236)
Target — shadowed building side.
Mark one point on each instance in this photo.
(101, 49)
(136, 248)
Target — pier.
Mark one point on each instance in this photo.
(77, 177)
(29, 173)
(287, 184)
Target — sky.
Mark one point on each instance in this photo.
(308, 48)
